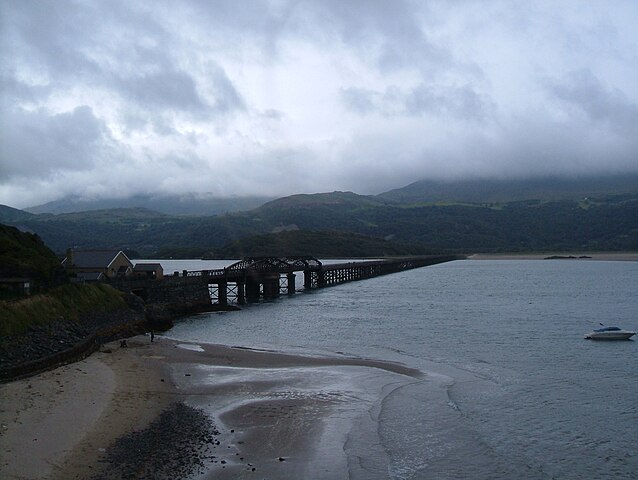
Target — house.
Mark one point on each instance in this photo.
(93, 265)
(148, 270)
(15, 286)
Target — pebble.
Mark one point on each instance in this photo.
(173, 446)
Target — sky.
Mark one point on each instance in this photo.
(104, 99)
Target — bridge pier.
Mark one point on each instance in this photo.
(252, 289)
(241, 292)
(222, 292)
(321, 279)
(291, 283)
(271, 286)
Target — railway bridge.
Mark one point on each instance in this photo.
(254, 278)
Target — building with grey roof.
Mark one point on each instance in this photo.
(90, 265)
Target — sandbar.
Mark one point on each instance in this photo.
(280, 415)
(592, 256)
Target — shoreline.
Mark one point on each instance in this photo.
(62, 420)
(593, 256)
(277, 414)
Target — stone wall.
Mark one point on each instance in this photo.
(185, 293)
(46, 346)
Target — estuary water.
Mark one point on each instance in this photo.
(512, 390)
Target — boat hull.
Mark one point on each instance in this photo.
(618, 335)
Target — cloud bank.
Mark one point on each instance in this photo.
(113, 98)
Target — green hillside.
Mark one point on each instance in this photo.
(183, 204)
(323, 244)
(481, 191)
(24, 255)
(68, 302)
(10, 214)
(365, 224)
(333, 200)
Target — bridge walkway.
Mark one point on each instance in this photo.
(253, 278)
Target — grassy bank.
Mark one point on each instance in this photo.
(67, 302)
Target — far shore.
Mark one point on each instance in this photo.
(601, 256)
(269, 411)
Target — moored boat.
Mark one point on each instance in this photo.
(610, 333)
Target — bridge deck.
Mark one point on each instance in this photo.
(266, 277)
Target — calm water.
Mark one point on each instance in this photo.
(513, 390)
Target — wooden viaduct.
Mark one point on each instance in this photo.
(254, 278)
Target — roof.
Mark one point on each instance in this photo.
(94, 258)
(147, 267)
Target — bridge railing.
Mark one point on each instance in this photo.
(257, 266)
(218, 272)
(333, 273)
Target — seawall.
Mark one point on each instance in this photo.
(47, 345)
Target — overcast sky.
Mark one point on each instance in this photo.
(111, 98)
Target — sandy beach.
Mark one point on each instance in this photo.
(278, 415)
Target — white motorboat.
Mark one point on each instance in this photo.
(610, 333)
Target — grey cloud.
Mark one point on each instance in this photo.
(139, 119)
(392, 33)
(49, 36)
(461, 102)
(450, 89)
(119, 47)
(15, 90)
(272, 114)
(535, 146)
(583, 90)
(438, 100)
(264, 21)
(360, 100)
(36, 143)
(227, 98)
(165, 89)
(154, 99)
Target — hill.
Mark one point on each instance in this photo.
(186, 204)
(24, 255)
(336, 200)
(322, 244)
(603, 223)
(503, 191)
(10, 214)
(307, 223)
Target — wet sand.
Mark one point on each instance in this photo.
(282, 416)
(59, 423)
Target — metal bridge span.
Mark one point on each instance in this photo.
(263, 277)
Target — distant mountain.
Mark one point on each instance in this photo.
(187, 204)
(10, 214)
(419, 216)
(502, 191)
(334, 199)
(111, 215)
(607, 222)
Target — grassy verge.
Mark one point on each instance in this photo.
(66, 302)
